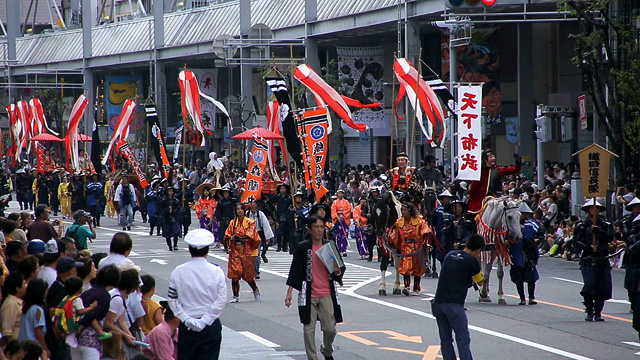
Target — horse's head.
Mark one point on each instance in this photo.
(429, 203)
(511, 219)
(379, 214)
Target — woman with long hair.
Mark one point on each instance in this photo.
(32, 323)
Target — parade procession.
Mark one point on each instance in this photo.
(410, 174)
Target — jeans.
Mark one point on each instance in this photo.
(126, 215)
(450, 316)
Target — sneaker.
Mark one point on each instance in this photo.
(170, 248)
(129, 227)
(598, 318)
(344, 254)
(256, 294)
(105, 336)
(175, 248)
(415, 293)
(522, 302)
(589, 318)
(405, 292)
(257, 277)
(532, 302)
(234, 300)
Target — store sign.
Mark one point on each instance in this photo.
(582, 111)
(469, 132)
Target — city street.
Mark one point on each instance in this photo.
(399, 327)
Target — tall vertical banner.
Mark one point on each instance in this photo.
(42, 161)
(280, 90)
(126, 150)
(257, 163)
(157, 141)
(314, 135)
(469, 132)
(207, 80)
(176, 148)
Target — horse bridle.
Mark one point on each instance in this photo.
(503, 217)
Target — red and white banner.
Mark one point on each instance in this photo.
(257, 163)
(121, 132)
(14, 130)
(469, 132)
(42, 161)
(273, 124)
(125, 149)
(314, 134)
(71, 139)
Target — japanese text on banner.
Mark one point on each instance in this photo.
(469, 132)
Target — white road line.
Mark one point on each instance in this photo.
(259, 339)
(566, 280)
(351, 292)
(632, 344)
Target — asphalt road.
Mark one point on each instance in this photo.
(399, 327)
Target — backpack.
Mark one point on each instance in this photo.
(74, 235)
(64, 323)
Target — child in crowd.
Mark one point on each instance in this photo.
(73, 288)
(152, 308)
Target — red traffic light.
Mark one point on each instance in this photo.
(488, 2)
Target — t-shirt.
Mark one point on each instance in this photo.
(116, 305)
(82, 234)
(34, 318)
(459, 269)
(77, 306)
(43, 230)
(150, 307)
(126, 195)
(48, 274)
(319, 275)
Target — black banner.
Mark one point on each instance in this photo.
(279, 88)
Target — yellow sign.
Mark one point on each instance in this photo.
(594, 170)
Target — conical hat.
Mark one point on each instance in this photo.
(593, 202)
(635, 201)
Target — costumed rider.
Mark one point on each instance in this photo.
(490, 183)
(594, 237)
(412, 235)
(224, 212)
(525, 255)
(404, 179)
(341, 217)
(456, 229)
(632, 273)
(429, 174)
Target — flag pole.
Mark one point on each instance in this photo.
(415, 110)
(293, 181)
(393, 111)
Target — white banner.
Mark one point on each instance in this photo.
(469, 132)
(207, 80)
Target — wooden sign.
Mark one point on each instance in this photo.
(594, 170)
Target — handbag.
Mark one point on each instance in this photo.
(134, 329)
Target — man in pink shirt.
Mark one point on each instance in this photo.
(318, 298)
(163, 337)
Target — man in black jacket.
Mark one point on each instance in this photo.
(224, 212)
(170, 210)
(318, 300)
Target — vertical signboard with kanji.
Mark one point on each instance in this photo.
(469, 132)
(582, 111)
(594, 170)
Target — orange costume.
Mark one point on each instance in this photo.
(206, 207)
(357, 216)
(410, 237)
(341, 206)
(242, 239)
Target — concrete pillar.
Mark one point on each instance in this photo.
(412, 52)
(160, 89)
(87, 24)
(246, 78)
(89, 86)
(13, 31)
(526, 106)
(158, 23)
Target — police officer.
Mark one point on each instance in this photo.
(283, 204)
(594, 236)
(197, 296)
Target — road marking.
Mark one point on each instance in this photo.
(571, 308)
(392, 335)
(632, 344)
(259, 339)
(619, 301)
(567, 280)
(161, 262)
(497, 334)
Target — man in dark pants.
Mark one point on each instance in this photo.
(224, 212)
(594, 237)
(283, 204)
(197, 296)
(52, 184)
(94, 192)
(460, 269)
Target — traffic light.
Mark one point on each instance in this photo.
(544, 132)
(451, 4)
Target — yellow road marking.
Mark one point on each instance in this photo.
(392, 335)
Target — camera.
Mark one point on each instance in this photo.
(489, 247)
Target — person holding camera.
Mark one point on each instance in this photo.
(41, 228)
(242, 239)
(79, 232)
(460, 270)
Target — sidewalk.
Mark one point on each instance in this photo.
(236, 346)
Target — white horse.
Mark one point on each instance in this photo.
(499, 224)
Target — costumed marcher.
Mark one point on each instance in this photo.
(43, 189)
(456, 229)
(34, 185)
(94, 192)
(317, 290)
(438, 218)
(628, 227)
(299, 222)
(404, 179)
(411, 234)
(341, 217)
(242, 239)
(52, 184)
(632, 273)
(594, 236)
(197, 296)
(524, 257)
(264, 230)
(187, 203)
(224, 212)
(205, 208)
(361, 228)
(169, 214)
(65, 197)
(152, 206)
(22, 189)
(429, 174)
(490, 183)
(31, 197)
(77, 193)
(373, 198)
(108, 194)
(283, 204)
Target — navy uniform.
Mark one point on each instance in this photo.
(594, 264)
(22, 189)
(197, 296)
(224, 212)
(283, 204)
(456, 230)
(170, 207)
(95, 192)
(43, 190)
(524, 257)
(52, 184)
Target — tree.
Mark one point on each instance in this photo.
(607, 53)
